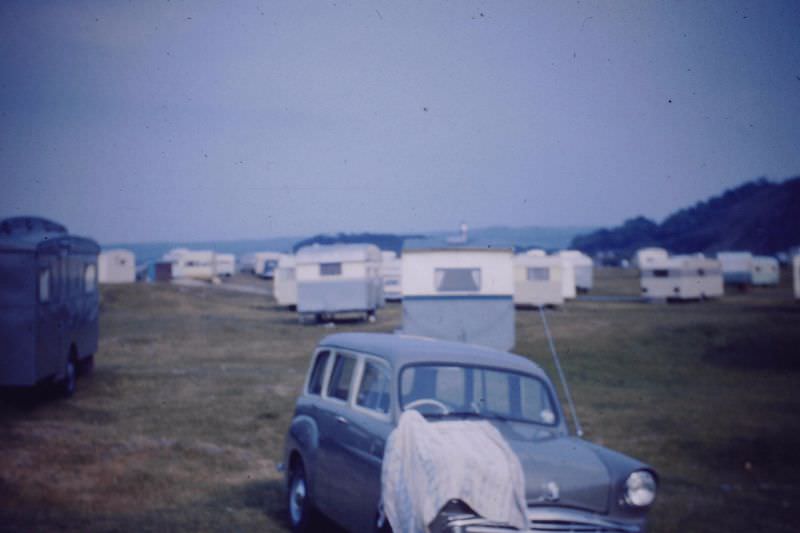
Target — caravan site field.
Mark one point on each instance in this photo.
(181, 425)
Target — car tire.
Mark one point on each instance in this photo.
(67, 384)
(302, 513)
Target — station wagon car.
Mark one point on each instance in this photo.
(357, 387)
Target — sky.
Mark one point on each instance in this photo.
(134, 121)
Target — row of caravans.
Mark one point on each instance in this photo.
(449, 290)
(696, 276)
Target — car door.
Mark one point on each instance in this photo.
(335, 495)
(366, 429)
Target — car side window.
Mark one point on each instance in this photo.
(341, 376)
(318, 373)
(373, 392)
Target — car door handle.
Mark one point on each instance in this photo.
(341, 420)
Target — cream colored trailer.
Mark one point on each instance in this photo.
(225, 264)
(338, 279)
(194, 264)
(116, 266)
(765, 270)
(583, 266)
(537, 280)
(458, 293)
(682, 278)
(285, 285)
(646, 257)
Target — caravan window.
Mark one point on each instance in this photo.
(330, 269)
(538, 274)
(89, 278)
(661, 273)
(44, 286)
(457, 279)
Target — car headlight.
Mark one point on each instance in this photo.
(640, 488)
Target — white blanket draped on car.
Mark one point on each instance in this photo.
(426, 464)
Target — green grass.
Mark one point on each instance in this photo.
(183, 421)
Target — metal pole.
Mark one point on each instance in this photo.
(578, 429)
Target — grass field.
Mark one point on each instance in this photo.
(182, 423)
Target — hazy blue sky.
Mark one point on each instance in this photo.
(132, 121)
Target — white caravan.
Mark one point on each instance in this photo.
(391, 273)
(737, 267)
(537, 280)
(285, 286)
(225, 264)
(682, 277)
(583, 266)
(645, 257)
(194, 264)
(338, 279)
(260, 263)
(458, 293)
(116, 266)
(765, 270)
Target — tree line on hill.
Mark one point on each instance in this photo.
(760, 216)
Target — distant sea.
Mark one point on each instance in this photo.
(547, 238)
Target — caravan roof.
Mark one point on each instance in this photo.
(39, 234)
(337, 253)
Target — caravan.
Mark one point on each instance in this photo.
(765, 270)
(116, 266)
(338, 279)
(682, 277)
(737, 268)
(537, 280)
(457, 292)
(193, 264)
(583, 267)
(261, 264)
(225, 264)
(49, 303)
(285, 285)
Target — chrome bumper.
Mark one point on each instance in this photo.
(540, 520)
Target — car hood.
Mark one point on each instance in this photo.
(560, 470)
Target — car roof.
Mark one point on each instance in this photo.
(400, 350)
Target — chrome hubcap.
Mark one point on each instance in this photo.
(297, 499)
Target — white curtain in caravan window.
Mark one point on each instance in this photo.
(457, 279)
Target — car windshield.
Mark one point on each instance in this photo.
(439, 391)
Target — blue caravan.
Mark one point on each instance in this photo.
(48, 303)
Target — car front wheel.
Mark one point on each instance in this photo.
(301, 508)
